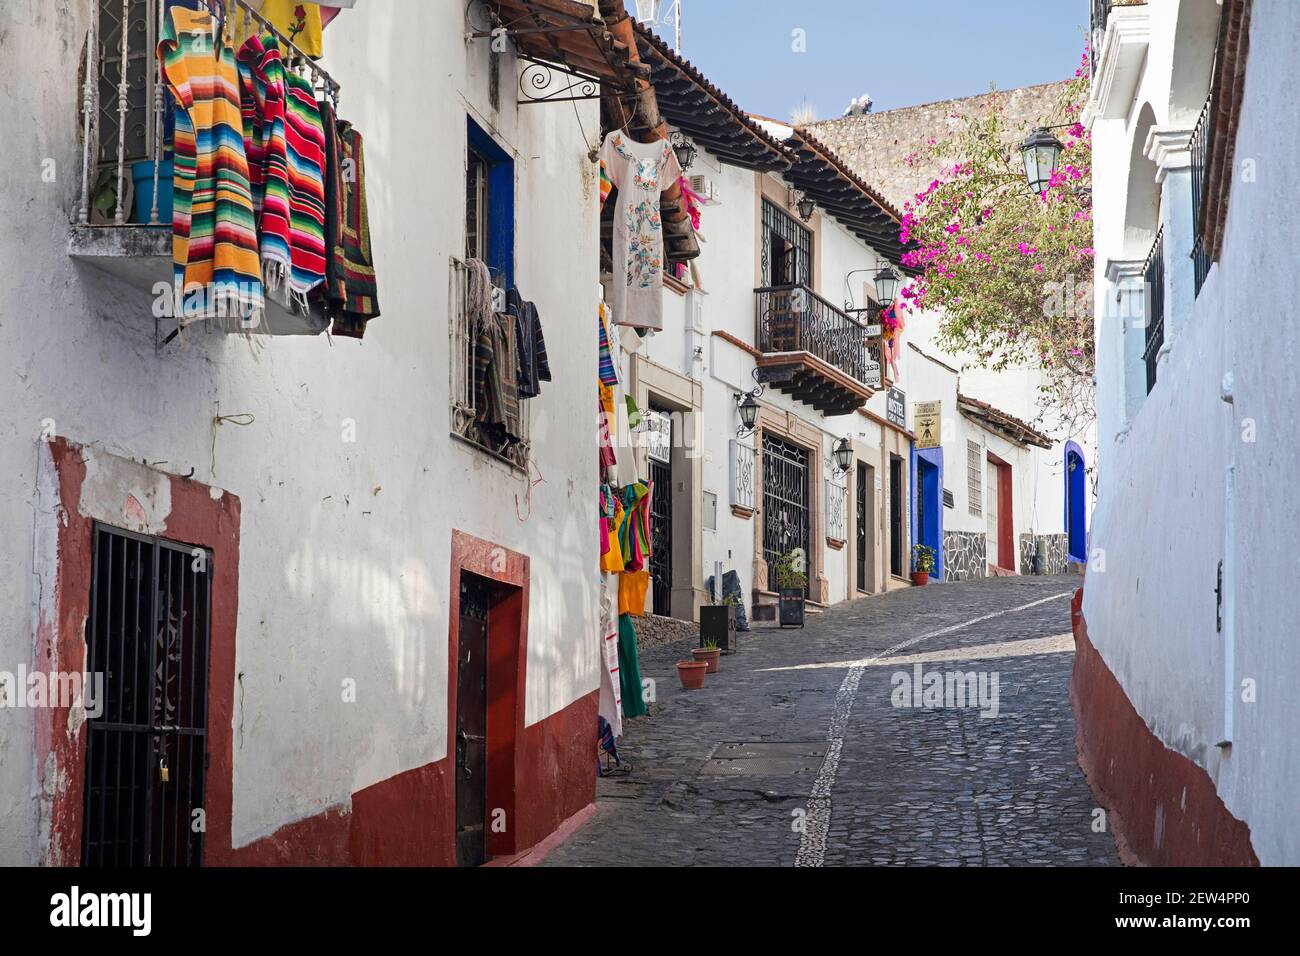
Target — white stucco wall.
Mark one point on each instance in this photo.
(1162, 518)
(345, 546)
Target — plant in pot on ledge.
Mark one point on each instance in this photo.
(922, 564)
(791, 580)
(709, 654)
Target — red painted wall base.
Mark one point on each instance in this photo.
(409, 819)
(1162, 807)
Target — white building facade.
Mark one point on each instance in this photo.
(1186, 667)
(332, 536)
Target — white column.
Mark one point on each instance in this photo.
(1170, 150)
(1123, 338)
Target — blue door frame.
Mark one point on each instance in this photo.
(927, 486)
(1076, 512)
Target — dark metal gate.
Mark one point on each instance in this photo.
(471, 721)
(785, 502)
(661, 536)
(146, 749)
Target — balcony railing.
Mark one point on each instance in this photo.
(1202, 144)
(124, 106)
(1153, 274)
(793, 318)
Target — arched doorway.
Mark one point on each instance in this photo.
(1076, 489)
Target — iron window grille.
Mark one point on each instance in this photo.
(786, 249)
(1153, 274)
(466, 384)
(1201, 147)
(785, 502)
(974, 479)
(148, 635)
(837, 511)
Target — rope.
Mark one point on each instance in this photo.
(242, 418)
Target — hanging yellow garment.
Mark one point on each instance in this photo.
(632, 588)
(612, 560)
(296, 20)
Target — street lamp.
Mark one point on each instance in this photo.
(748, 413)
(806, 207)
(886, 284)
(684, 149)
(1041, 152)
(843, 456)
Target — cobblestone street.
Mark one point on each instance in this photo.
(830, 772)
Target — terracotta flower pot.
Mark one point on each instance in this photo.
(709, 655)
(920, 578)
(691, 674)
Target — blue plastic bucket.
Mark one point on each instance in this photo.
(142, 175)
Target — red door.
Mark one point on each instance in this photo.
(1001, 536)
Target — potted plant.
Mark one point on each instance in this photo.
(691, 674)
(709, 654)
(718, 625)
(922, 564)
(791, 582)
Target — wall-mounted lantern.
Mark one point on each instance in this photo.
(1041, 152)
(843, 454)
(684, 149)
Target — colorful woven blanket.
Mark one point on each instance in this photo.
(351, 292)
(214, 236)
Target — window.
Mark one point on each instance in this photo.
(486, 409)
(787, 249)
(146, 750)
(974, 479)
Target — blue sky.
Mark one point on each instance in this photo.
(901, 52)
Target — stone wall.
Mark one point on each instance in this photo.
(1053, 548)
(965, 555)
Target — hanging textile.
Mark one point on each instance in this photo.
(534, 368)
(612, 559)
(632, 589)
(496, 409)
(261, 93)
(629, 669)
(350, 289)
(640, 171)
(608, 367)
(214, 233)
(608, 744)
(297, 21)
(607, 423)
(634, 531)
(610, 704)
(606, 187)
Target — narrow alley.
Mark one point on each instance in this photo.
(801, 722)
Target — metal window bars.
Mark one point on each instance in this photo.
(1201, 146)
(466, 384)
(1153, 275)
(121, 67)
(147, 639)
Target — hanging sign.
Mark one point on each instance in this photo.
(927, 424)
(871, 373)
(658, 431)
(896, 407)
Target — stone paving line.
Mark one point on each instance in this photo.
(911, 785)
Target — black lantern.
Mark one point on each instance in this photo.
(1041, 152)
(748, 412)
(684, 150)
(886, 284)
(806, 207)
(843, 455)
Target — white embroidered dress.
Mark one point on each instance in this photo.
(641, 171)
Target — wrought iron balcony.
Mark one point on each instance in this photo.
(812, 350)
(1202, 146)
